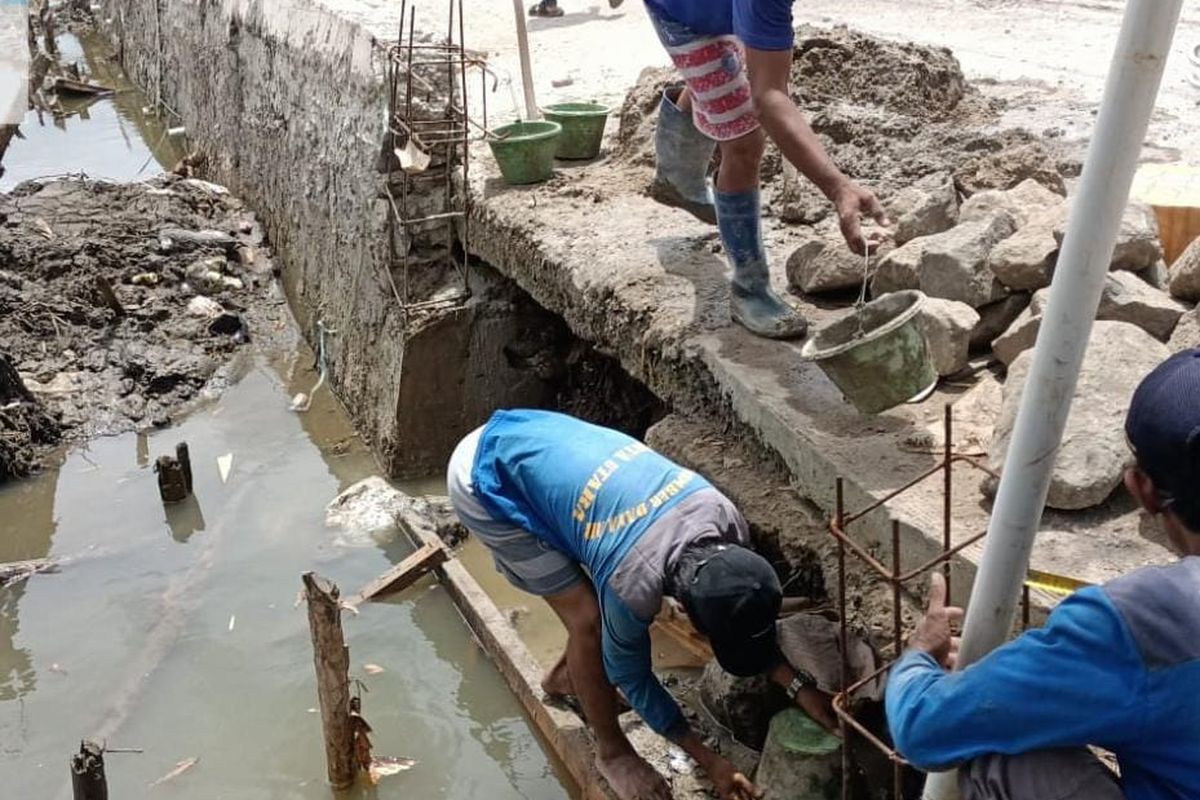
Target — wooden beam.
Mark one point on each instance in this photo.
(331, 658)
(404, 574)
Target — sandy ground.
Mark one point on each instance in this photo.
(1048, 58)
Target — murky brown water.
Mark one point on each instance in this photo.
(111, 137)
(175, 631)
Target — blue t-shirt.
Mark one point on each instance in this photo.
(760, 24)
(593, 493)
(1116, 666)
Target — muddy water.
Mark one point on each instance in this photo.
(112, 137)
(175, 631)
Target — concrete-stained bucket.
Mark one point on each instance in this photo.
(582, 128)
(877, 355)
(525, 150)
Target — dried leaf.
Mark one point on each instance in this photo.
(179, 769)
(383, 766)
(372, 669)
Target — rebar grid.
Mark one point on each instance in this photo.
(444, 140)
(896, 578)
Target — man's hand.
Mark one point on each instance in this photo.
(731, 784)
(853, 203)
(819, 706)
(934, 634)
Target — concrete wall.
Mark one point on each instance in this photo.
(288, 102)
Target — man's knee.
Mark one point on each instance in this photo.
(1061, 774)
(745, 151)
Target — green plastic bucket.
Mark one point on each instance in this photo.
(583, 128)
(525, 150)
(878, 356)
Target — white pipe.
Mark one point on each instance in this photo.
(1129, 96)
(531, 106)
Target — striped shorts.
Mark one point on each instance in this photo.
(714, 69)
(529, 563)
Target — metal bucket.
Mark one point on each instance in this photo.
(877, 355)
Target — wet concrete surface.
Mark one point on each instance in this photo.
(110, 137)
(174, 630)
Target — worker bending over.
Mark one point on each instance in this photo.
(1116, 666)
(735, 57)
(603, 527)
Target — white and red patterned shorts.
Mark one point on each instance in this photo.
(714, 69)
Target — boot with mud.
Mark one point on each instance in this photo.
(682, 154)
(753, 304)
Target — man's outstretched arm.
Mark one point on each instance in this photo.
(770, 72)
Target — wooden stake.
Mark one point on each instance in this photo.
(331, 658)
(87, 772)
(404, 574)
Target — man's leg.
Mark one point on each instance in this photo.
(753, 303)
(627, 772)
(1060, 774)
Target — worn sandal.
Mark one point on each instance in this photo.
(544, 10)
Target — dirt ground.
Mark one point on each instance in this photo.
(100, 305)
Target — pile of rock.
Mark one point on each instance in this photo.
(985, 264)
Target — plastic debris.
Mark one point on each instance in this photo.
(180, 768)
(224, 465)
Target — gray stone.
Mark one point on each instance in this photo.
(994, 319)
(1128, 298)
(1158, 276)
(929, 206)
(1024, 202)
(1187, 333)
(1137, 246)
(1025, 260)
(824, 265)
(897, 270)
(1185, 273)
(1019, 336)
(954, 263)
(947, 325)
(1093, 454)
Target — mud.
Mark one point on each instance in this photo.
(94, 302)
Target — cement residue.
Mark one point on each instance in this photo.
(100, 311)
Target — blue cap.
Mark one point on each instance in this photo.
(1163, 428)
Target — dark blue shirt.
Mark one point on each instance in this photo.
(760, 24)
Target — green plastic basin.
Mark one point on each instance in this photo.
(525, 150)
(583, 128)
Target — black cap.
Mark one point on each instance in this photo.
(1163, 429)
(733, 599)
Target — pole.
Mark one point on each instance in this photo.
(331, 658)
(87, 772)
(1129, 94)
(531, 107)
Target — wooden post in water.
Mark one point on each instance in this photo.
(87, 772)
(331, 658)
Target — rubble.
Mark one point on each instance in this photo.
(1094, 454)
(824, 264)
(927, 207)
(994, 319)
(1187, 333)
(897, 269)
(1025, 202)
(1025, 260)
(1184, 274)
(947, 325)
(1137, 246)
(954, 264)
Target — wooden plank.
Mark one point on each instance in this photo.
(677, 626)
(404, 574)
(331, 659)
(1173, 190)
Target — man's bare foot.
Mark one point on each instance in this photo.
(631, 778)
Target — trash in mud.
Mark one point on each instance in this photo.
(383, 766)
(372, 669)
(180, 768)
(224, 465)
(73, 86)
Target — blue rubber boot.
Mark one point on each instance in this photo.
(682, 154)
(753, 304)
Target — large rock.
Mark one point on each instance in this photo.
(947, 325)
(897, 270)
(1128, 298)
(1137, 246)
(824, 265)
(1185, 273)
(1094, 454)
(994, 319)
(1187, 333)
(954, 264)
(1025, 260)
(1025, 202)
(927, 207)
